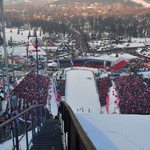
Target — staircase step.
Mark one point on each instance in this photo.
(48, 148)
(50, 142)
(49, 137)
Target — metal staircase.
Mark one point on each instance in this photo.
(49, 137)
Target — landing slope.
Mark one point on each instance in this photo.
(81, 92)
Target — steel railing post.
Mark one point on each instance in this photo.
(26, 131)
(16, 134)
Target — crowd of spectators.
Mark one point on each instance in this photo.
(32, 90)
(103, 86)
(60, 86)
(88, 63)
(134, 95)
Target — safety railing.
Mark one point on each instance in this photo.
(75, 138)
(18, 127)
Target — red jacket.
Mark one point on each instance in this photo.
(58, 95)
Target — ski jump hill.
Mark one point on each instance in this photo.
(81, 91)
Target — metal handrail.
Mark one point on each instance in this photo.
(15, 117)
(33, 125)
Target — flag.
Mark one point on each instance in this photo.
(105, 63)
(71, 62)
(2, 95)
(84, 54)
(35, 41)
(58, 63)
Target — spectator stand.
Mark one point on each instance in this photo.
(26, 91)
(134, 95)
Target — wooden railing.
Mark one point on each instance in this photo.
(75, 137)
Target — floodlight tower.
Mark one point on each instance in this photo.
(23, 14)
(5, 53)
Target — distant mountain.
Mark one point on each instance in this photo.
(62, 1)
(88, 1)
(29, 1)
(59, 2)
(42, 1)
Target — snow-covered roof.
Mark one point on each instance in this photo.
(130, 45)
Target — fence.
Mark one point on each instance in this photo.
(75, 137)
(18, 126)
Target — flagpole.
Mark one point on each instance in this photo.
(5, 54)
(27, 55)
